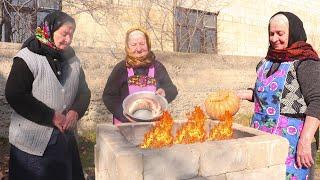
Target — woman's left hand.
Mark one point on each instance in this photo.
(71, 120)
(304, 155)
(161, 92)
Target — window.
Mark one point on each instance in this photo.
(196, 31)
(21, 17)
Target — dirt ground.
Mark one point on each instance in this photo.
(195, 75)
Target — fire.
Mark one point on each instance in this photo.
(160, 135)
(223, 130)
(192, 131)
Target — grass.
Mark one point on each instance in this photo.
(86, 144)
(318, 160)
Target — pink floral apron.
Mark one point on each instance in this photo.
(138, 83)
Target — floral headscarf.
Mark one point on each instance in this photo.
(51, 23)
(297, 46)
(134, 62)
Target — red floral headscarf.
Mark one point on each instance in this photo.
(297, 46)
(51, 23)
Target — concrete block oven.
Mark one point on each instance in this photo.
(250, 154)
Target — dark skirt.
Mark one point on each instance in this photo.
(60, 161)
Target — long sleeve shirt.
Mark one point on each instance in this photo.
(19, 89)
(116, 89)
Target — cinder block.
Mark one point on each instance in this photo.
(102, 175)
(279, 149)
(219, 157)
(274, 172)
(106, 157)
(128, 165)
(217, 177)
(266, 150)
(177, 162)
(96, 157)
(258, 151)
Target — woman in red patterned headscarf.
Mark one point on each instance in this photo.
(287, 92)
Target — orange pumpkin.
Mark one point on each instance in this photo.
(218, 103)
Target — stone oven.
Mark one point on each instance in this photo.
(250, 154)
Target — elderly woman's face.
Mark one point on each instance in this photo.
(62, 37)
(279, 32)
(137, 44)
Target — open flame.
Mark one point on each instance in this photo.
(160, 135)
(193, 130)
(224, 128)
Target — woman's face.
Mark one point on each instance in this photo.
(279, 32)
(62, 37)
(137, 44)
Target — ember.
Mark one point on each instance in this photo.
(160, 135)
(192, 131)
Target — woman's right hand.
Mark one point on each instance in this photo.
(245, 94)
(59, 120)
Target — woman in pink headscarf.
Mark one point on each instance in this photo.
(140, 71)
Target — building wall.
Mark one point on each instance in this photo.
(241, 24)
(102, 24)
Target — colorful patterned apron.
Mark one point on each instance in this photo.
(138, 83)
(267, 115)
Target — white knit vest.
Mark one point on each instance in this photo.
(31, 137)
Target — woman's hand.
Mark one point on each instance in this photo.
(304, 154)
(71, 120)
(161, 92)
(245, 94)
(59, 120)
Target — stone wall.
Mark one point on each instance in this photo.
(195, 75)
(241, 24)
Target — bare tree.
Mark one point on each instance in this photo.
(181, 23)
(19, 17)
